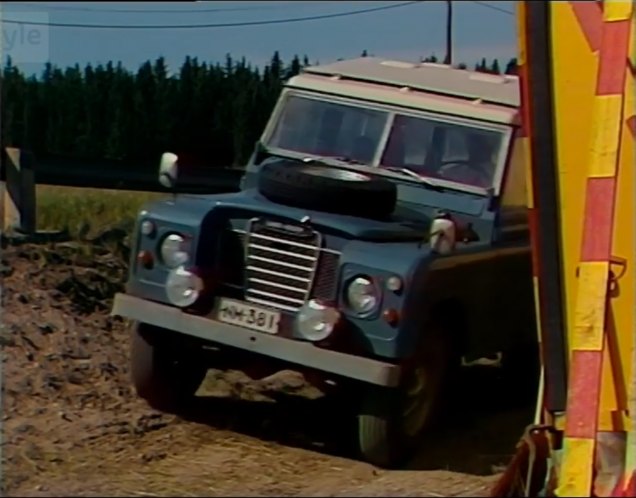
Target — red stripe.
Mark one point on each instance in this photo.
(523, 129)
(625, 489)
(599, 215)
(631, 125)
(614, 53)
(583, 394)
(630, 490)
(590, 18)
(533, 225)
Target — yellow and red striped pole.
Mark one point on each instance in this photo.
(629, 477)
(587, 339)
(523, 141)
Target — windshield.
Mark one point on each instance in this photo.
(434, 148)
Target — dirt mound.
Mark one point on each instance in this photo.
(73, 426)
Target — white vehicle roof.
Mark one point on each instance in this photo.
(427, 77)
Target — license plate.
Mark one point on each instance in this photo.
(248, 316)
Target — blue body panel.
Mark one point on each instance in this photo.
(376, 248)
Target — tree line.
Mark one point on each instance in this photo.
(205, 110)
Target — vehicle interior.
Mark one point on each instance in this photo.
(442, 148)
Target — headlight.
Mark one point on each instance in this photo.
(316, 321)
(183, 287)
(171, 251)
(362, 296)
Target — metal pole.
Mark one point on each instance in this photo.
(449, 32)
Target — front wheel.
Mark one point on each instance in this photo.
(392, 420)
(163, 373)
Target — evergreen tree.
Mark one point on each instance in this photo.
(214, 111)
(511, 67)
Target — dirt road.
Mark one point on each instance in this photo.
(73, 427)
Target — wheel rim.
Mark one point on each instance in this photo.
(418, 397)
(421, 388)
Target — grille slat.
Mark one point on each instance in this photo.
(266, 302)
(282, 252)
(278, 274)
(288, 242)
(275, 250)
(283, 265)
(280, 263)
(276, 284)
(275, 296)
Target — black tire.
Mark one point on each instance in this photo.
(161, 374)
(324, 188)
(384, 438)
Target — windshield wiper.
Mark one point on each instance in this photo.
(416, 176)
(422, 180)
(326, 159)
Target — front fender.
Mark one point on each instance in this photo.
(409, 261)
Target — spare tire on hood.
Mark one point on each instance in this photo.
(324, 188)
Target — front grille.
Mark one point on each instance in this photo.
(326, 281)
(281, 262)
(240, 262)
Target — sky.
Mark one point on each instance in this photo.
(480, 29)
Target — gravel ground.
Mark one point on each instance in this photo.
(73, 427)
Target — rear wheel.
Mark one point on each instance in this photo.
(392, 421)
(164, 373)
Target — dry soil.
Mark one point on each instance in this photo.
(72, 426)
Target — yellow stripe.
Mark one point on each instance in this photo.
(576, 471)
(617, 10)
(521, 33)
(559, 421)
(589, 315)
(606, 135)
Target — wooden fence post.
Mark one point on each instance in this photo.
(17, 203)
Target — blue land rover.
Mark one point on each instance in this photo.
(379, 240)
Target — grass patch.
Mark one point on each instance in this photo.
(85, 212)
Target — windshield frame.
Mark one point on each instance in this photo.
(374, 166)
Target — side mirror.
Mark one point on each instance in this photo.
(168, 170)
(443, 235)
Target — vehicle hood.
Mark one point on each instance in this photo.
(406, 224)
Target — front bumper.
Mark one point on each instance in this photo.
(299, 352)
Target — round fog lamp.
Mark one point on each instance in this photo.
(316, 321)
(183, 287)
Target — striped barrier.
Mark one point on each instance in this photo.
(590, 324)
(629, 476)
(527, 152)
